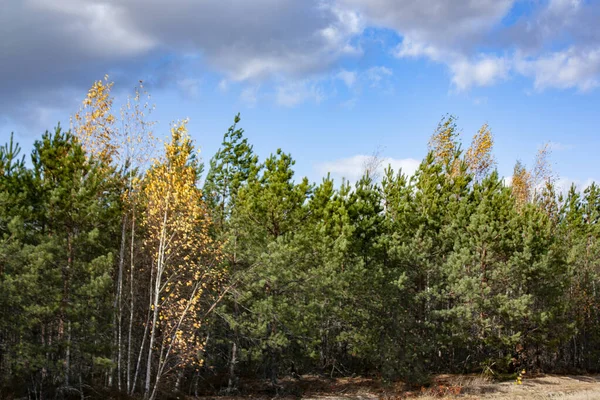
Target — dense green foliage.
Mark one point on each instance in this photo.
(403, 277)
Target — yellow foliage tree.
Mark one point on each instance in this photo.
(521, 184)
(136, 144)
(184, 258)
(536, 186)
(125, 144)
(479, 157)
(94, 122)
(444, 144)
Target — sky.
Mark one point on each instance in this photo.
(333, 82)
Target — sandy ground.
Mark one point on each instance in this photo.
(547, 387)
(445, 387)
(471, 388)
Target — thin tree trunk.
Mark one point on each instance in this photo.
(139, 360)
(68, 354)
(165, 358)
(118, 307)
(178, 382)
(232, 382)
(81, 395)
(137, 368)
(152, 338)
(66, 295)
(156, 296)
(131, 302)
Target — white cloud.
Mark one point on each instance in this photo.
(563, 184)
(570, 68)
(557, 44)
(100, 29)
(450, 32)
(352, 168)
(348, 77)
(433, 21)
(484, 71)
(293, 93)
(375, 75)
(307, 38)
(410, 48)
(243, 41)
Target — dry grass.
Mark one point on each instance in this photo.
(538, 388)
(465, 387)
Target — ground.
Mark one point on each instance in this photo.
(445, 386)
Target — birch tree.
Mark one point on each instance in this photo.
(184, 259)
(122, 147)
(479, 157)
(444, 144)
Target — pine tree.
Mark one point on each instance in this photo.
(269, 211)
(230, 168)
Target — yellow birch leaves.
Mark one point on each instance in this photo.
(521, 184)
(94, 122)
(479, 157)
(444, 141)
(530, 186)
(445, 146)
(183, 254)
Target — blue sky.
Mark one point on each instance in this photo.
(331, 81)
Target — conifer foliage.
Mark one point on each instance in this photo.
(122, 274)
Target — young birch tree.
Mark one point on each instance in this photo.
(479, 157)
(537, 185)
(183, 259)
(136, 146)
(521, 184)
(444, 144)
(94, 127)
(94, 122)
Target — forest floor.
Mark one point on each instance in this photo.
(466, 387)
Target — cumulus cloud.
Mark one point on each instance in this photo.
(564, 184)
(480, 70)
(452, 33)
(439, 22)
(50, 46)
(570, 68)
(352, 168)
(484, 71)
(51, 49)
(414, 49)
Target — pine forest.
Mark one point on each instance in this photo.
(131, 268)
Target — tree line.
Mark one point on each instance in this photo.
(129, 267)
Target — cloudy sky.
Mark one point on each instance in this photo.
(331, 81)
